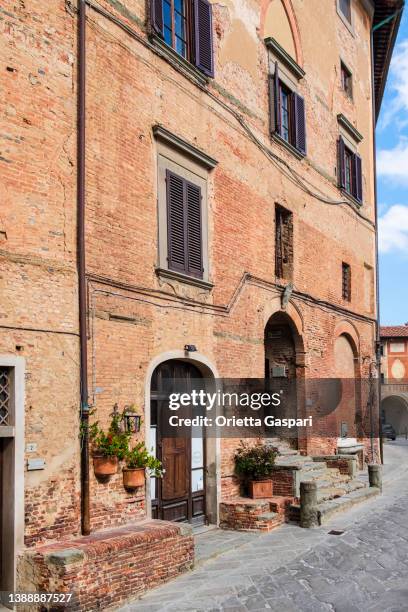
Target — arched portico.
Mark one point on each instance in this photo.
(394, 411)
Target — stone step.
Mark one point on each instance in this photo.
(332, 507)
(297, 462)
(330, 492)
(324, 478)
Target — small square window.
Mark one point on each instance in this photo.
(345, 9)
(346, 81)
(346, 282)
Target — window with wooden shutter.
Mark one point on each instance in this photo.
(184, 226)
(287, 113)
(186, 27)
(350, 171)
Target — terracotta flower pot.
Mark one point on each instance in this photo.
(105, 466)
(133, 478)
(259, 489)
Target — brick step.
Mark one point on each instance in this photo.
(280, 504)
(268, 521)
(244, 514)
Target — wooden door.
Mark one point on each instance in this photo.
(177, 496)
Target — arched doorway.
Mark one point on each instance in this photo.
(181, 494)
(284, 355)
(394, 411)
(345, 414)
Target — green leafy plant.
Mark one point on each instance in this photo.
(139, 457)
(111, 443)
(254, 462)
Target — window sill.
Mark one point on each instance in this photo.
(178, 61)
(351, 198)
(288, 146)
(183, 278)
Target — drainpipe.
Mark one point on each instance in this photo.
(377, 272)
(82, 298)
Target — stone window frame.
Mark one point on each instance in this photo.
(290, 74)
(352, 138)
(349, 24)
(179, 156)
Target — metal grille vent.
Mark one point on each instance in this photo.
(4, 396)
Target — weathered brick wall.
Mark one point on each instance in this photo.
(106, 569)
(130, 88)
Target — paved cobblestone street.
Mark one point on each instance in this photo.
(293, 569)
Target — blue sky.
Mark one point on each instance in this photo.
(392, 167)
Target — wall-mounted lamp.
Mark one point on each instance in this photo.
(190, 348)
(132, 421)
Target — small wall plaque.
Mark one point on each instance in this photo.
(35, 464)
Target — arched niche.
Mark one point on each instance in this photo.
(278, 21)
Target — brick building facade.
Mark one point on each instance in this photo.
(261, 115)
(394, 377)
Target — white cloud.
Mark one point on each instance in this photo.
(398, 85)
(394, 162)
(393, 230)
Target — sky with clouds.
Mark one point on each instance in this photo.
(392, 169)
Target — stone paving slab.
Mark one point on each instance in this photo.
(363, 570)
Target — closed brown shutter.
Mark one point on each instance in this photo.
(299, 123)
(176, 243)
(194, 242)
(203, 37)
(184, 226)
(357, 178)
(341, 163)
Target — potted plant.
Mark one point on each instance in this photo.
(108, 447)
(255, 464)
(137, 460)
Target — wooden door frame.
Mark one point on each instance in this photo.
(13, 472)
(212, 445)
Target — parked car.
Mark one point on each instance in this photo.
(387, 431)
